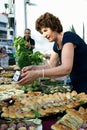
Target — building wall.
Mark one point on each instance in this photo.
(3, 28)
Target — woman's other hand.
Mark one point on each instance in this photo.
(27, 68)
(27, 77)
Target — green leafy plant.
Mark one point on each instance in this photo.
(72, 29)
(83, 32)
(24, 54)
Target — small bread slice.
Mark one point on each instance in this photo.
(60, 126)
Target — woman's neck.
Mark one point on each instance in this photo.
(59, 41)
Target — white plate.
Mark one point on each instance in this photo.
(39, 127)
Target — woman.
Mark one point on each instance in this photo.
(4, 58)
(69, 55)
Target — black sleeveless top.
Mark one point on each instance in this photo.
(78, 74)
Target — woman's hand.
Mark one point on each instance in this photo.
(27, 77)
(27, 68)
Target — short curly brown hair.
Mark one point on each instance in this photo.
(50, 21)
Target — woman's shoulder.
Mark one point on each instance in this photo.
(72, 36)
(69, 33)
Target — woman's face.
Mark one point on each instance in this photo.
(49, 34)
